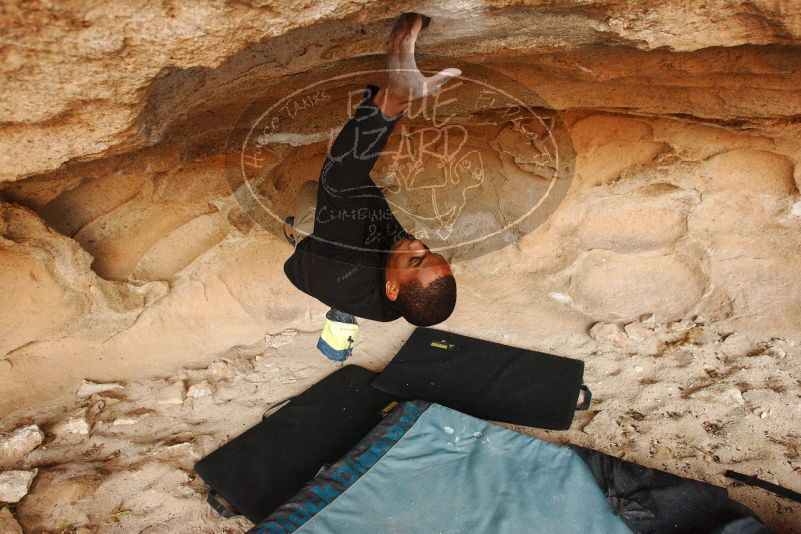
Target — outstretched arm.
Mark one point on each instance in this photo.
(360, 142)
(406, 83)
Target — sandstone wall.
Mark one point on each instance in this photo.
(77, 75)
(124, 252)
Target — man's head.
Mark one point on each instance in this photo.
(421, 283)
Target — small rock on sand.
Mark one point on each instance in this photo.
(201, 389)
(172, 394)
(123, 421)
(74, 425)
(88, 388)
(739, 345)
(609, 334)
(219, 369)
(14, 485)
(638, 331)
(701, 336)
(14, 446)
(735, 396)
(653, 347)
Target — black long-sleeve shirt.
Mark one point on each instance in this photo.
(342, 262)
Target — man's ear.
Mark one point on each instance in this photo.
(392, 290)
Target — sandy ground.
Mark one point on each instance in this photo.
(705, 404)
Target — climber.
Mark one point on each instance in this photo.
(350, 251)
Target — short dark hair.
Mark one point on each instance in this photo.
(426, 306)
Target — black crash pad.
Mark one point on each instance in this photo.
(485, 379)
(259, 470)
